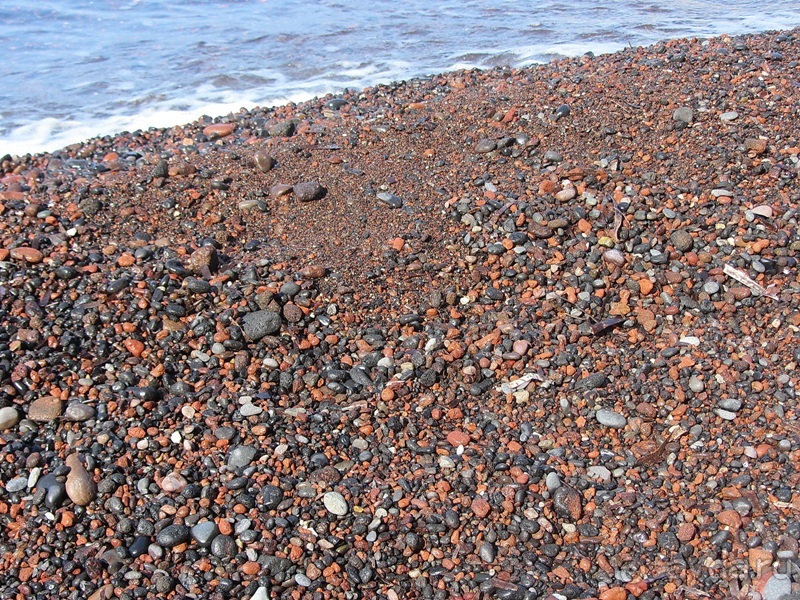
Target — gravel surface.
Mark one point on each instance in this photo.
(509, 334)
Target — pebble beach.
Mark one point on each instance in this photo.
(515, 333)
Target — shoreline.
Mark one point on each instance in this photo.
(518, 332)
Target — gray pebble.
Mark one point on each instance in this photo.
(78, 411)
(696, 384)
(302, 580)
(249, 409)
(593, 381)
(223, 546)
(485, 145)
(16, 485)
(684, 114)
(335, 503)
(240, 456)
(261, 323)
(552, 481)
(711, 287)
(390, 199)
(730, 404)
(8, 417)
(599, 472)
(725, 414)
(553, 157)
(487, 552)
(609, 418)
(271, 496)
(282, 129)
(203, 533)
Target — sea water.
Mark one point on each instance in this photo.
(73, 70)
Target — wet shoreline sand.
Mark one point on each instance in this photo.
(512, 334)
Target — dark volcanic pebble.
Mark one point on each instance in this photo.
(260, 323)
(173, 535)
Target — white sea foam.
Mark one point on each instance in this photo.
(138, 64)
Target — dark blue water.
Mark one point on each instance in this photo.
(72, 70)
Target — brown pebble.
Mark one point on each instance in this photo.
(730, 518)
(458, 438)
(480, 507)
(45, 409)
(80, 485)
(135, 347)
(313, 271)
(264, 162)
(308, 191)
(204, 257)
(219, 130)
(740, 292)
(686, 532)
(756, 145)
(251, 568)
(292, 312)
(30, 255)
(567, 501)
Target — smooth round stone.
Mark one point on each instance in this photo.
(249, 409)
(139, 546)
(711, 287)
(725, 414)
(484, 146)
(487, 552)
(173, 535)
(696, 384)
(264, 162)
(308, 191)
(614, 257)
(777, 587)
(16, 485)
(241, 456)
(609, 418)
(552, 481)
(80, 485)
(253, 204)
(203, 533)
(302, 580)
(730, 404)
(173, 483)
(9, 416)
(78, 411)
(335, 503)
(731, 115)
